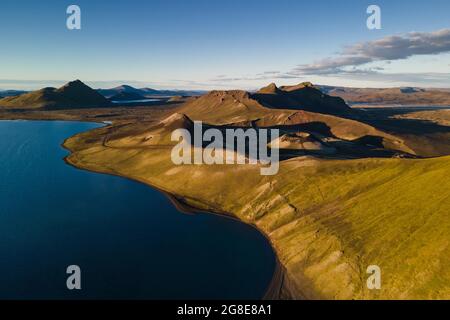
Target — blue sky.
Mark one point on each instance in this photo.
(206, 44)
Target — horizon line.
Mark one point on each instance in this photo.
(158, 86)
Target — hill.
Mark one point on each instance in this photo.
(74, 94)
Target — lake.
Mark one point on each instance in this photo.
(135, 101)
(128, 239)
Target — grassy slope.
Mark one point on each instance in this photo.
(328, 220)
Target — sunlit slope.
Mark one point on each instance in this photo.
(327, 220)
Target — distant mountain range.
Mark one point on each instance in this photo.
(123, 91)
(304, 96)
(74, 94)
(390, 96)
(147, 92)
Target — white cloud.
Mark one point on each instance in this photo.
(387, 49)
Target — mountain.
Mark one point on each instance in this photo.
(390, 96)
(304, 96)
(74, 94)
(145, 92)
(224, 107)
(126, 88)
(302, 107)
(237, 105)
(122, 89)
(270, 89)
(126, 96)
(151, 91)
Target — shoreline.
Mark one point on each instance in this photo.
(273, 290)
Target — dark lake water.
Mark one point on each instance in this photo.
(128, 239)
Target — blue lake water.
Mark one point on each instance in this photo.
(136, 101)
(128, 239)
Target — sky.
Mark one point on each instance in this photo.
(212, 44)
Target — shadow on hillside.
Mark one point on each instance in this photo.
(319, 132)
